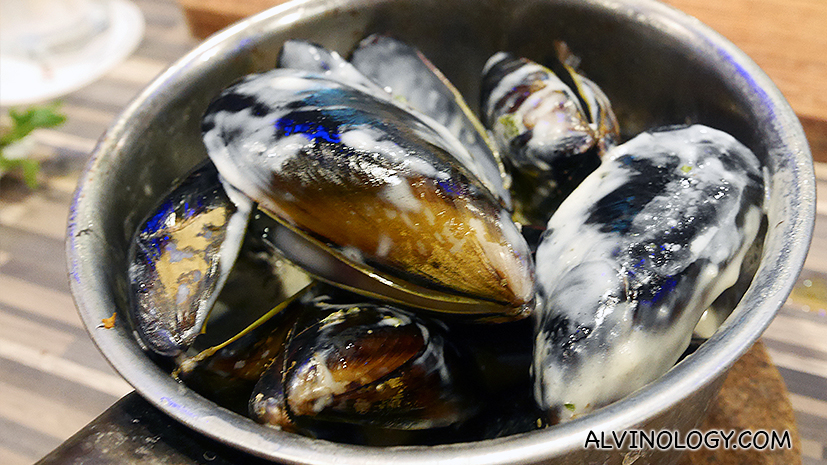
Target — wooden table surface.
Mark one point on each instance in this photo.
(52, 378)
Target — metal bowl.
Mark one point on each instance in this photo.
(657, 65)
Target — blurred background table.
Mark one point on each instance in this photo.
(53, 381)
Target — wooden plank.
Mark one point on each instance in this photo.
(39, 300)
(48, 416)
(47, 362)
(786, 39)
(137, 70)
(816, 131)
(798, 362)
(10, 457)
(16, 330)
(38, 214)
(798, 332)
(209, 16)
(811, 406)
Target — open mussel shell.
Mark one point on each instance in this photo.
(366, 363)
(260, 280)
(372, 187)
(634, 256)
(551, 126)
(418, 87)
(180, 258)
(601, 116)
(411, 78)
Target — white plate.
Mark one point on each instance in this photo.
(24, 81)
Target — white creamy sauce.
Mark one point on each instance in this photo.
(370, 140)
(433, 357)
(632, 361)
(495, 58)
(551, 116)
(509, 81)
(458, 244)
(502, 257)
(306, 56)
(429, 216)
(395, 321)
(284, 150)
(175, 255)
(418, 165)
(353, 254)
(183, 293)
(228, 251)
(406, 218)
(313, 385)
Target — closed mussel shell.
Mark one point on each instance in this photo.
(370, 364)
(229, 375)
(632, 259)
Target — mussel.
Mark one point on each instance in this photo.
(228, 371)
(180, 258)
(634, 256)
(307, 56)
(366, 194)
(369, 363)
(551, 128)
(365, 184)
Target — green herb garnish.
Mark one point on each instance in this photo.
(570, 407)
(510, 125)
(22, 124)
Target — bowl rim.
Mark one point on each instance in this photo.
(764, 298)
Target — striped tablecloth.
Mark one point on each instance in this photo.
(53, 380)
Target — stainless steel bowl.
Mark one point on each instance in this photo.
(656, 64)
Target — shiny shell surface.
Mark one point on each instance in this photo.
(370, 183)
(551, 129)
(179, 259)
(366, 363)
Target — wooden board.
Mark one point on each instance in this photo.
(752, 398)
(787, 39)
